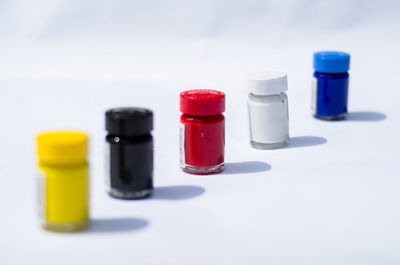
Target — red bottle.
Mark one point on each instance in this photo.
(202, 131)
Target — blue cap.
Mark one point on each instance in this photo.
(331, 62)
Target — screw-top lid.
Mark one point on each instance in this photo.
(62, 148)
(202, 102)
(128, 121)
(267, 83)
(331, 62)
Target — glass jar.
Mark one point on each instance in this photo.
(202, 131)
(129, 153)
(330, 85)
(268, 110)
(63, 180)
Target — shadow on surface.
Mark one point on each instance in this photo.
(304, 141)
(181, 192)
(114, 225)
(365, 116)
(245, 167)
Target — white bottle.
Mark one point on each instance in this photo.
(268, 110)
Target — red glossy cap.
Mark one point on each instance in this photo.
(202, 102)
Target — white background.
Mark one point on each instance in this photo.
(331, 197)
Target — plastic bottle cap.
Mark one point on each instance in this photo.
(331, 62)
(267, 83)
(62, 148)
(202, 102)
(128, 122)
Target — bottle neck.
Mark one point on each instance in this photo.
(266, 96)
(61, 165)
(116, 139)
(201, 116)
(267, 99)
(331, 74)
(207, 119)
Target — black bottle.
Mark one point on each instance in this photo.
(130, 151)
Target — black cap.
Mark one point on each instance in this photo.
(128, 121)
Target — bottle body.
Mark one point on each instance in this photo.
(330, 95)
(202, 140)
(268, 120)
(64, 197)
(130, 171)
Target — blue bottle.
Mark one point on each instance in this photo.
(330, 85)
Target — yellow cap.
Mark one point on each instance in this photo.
(62, 148)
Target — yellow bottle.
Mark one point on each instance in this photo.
(63, 180)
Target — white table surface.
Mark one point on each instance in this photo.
(331, 197)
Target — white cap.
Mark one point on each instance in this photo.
(267, 83)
